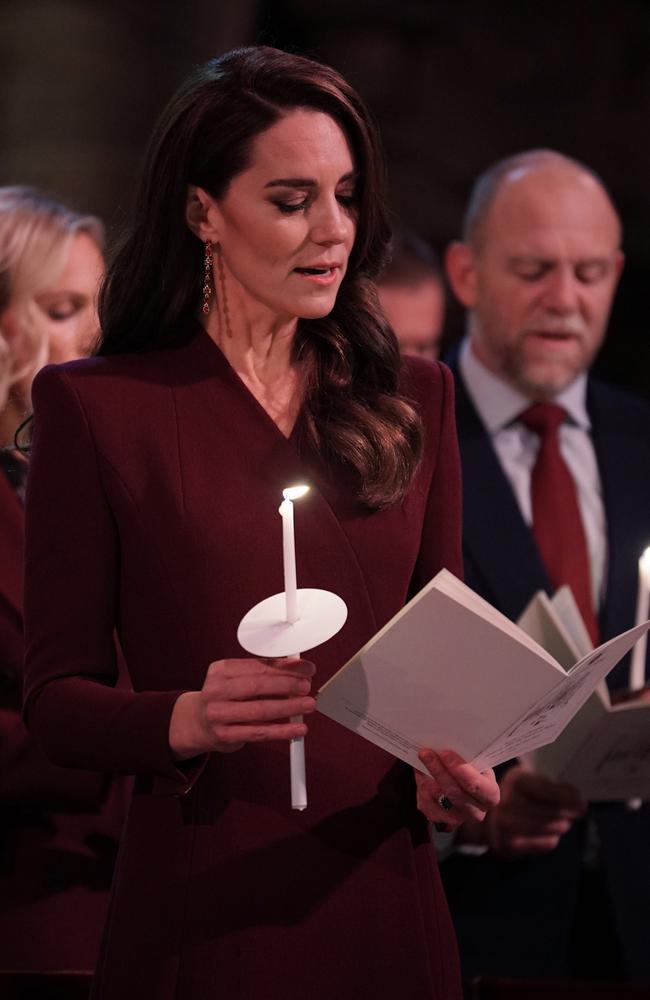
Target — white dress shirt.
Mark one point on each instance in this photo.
(498, 405)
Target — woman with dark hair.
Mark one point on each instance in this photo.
(243, 350)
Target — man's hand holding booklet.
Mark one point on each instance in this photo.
(604, 752)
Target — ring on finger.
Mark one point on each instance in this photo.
(445, 803)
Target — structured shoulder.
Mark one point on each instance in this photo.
(116, 386)
(136, 367)
(119, 400)
(429, 383)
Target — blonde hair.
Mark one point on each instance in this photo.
(35, 233)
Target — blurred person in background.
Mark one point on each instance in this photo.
(412, 295)
(51, 267)
(58, 827)
(556, 490)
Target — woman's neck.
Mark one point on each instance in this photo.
(259, 347)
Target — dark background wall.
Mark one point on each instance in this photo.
(454, 84)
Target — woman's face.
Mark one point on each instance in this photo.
(60, 322)
(69, 303)
(287, 223)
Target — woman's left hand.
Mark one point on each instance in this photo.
(456, 791)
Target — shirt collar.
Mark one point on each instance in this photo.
(498, 403)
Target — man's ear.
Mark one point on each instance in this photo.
(200, 214)
(460, 264)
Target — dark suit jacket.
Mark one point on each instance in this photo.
(515, 917)
(59, 827)
(153, 503)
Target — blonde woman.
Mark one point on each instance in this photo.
(59, 826)
(50, 268)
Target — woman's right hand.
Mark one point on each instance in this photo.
(242, 701)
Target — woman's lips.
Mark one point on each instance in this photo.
(318, 275)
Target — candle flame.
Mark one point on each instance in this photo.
(295, 492)
(644, 564)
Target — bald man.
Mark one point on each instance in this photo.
(549, 886)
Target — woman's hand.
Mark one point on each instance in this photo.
(456, 791)
(242, 701)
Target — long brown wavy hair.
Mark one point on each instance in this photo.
(355, 414)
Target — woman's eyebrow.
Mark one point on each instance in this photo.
(300, 182)
(306, 182)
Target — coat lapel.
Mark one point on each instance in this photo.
(501, 559)
(260, 462)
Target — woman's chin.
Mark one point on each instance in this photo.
(316, 309)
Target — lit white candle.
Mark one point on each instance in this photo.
(289, 549)
(296, 747)
(637, 663)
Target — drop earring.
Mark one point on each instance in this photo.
(207, 277)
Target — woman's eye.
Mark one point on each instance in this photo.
(347, 198)
(59, 308)
(60, 313)
(290, 206)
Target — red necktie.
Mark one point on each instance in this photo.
(557, 522)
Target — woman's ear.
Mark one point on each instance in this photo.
(200, 212)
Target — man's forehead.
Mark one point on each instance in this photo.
(551, 246)
(550, 205)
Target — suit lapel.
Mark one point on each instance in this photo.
(501, 559)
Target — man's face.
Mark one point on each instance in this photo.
(416, 312)
(540, 282)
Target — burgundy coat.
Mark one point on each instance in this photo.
(59, 827)
(153, 504)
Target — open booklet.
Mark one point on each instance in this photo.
(449, 671)
(604, 752)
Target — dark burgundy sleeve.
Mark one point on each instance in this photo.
(441, 543)
(72, 706)
(27, 776)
